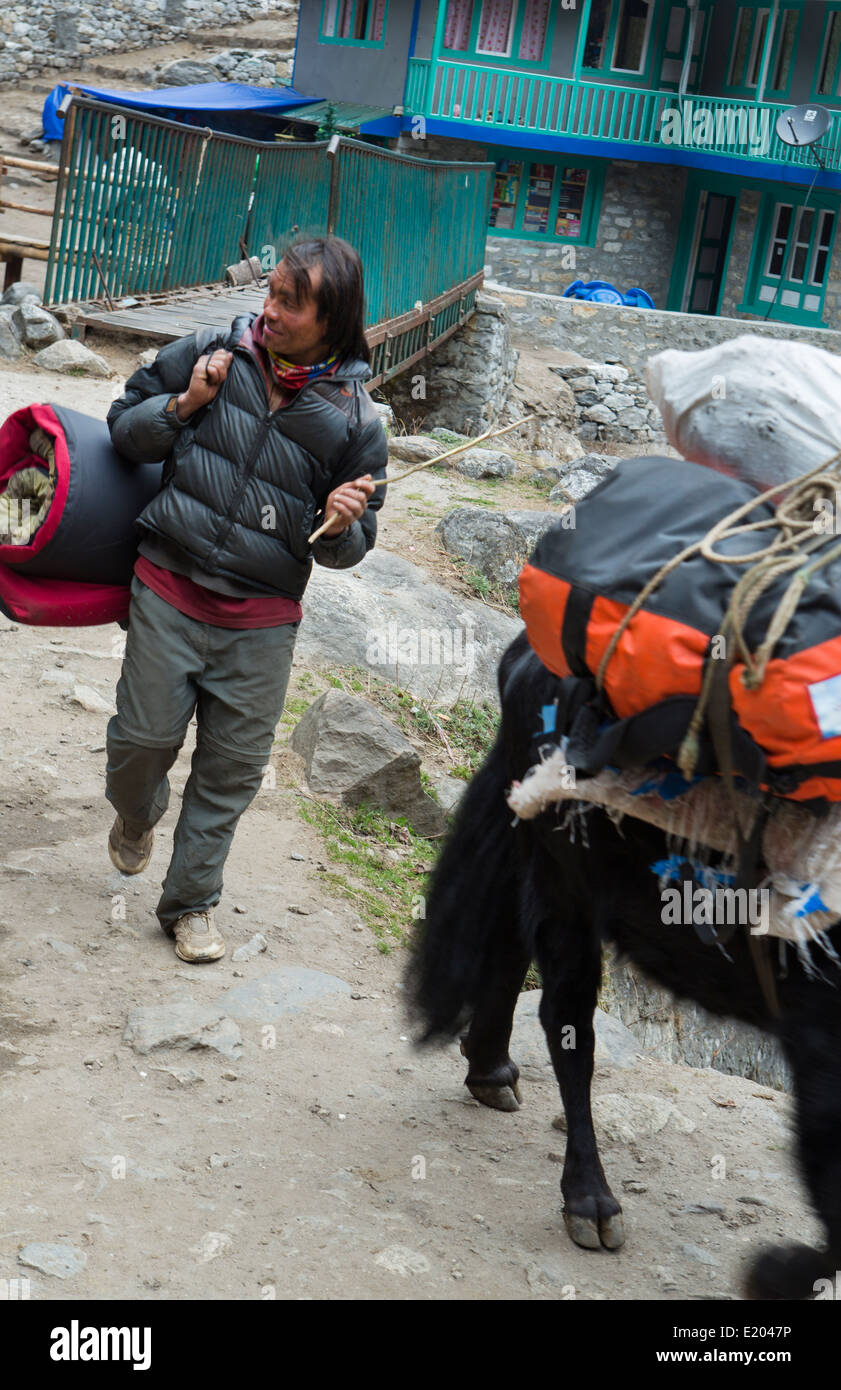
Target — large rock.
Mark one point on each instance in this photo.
(538, 392)
(487, 540)
(280, 993)
(385, 614)
(485, 463)
(352, 751)
(185, 72)
(21, 290)
(414, 448)
(585, 474)
(10, 343)
(533, 524)
(683, 1032)
(37, 327)
(70, 355)
(615, 1044)
(182, 1024)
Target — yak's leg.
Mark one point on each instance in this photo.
(813, 1047)
(492, 1078)
(569, 960)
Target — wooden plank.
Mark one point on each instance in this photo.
(15, 162)
(22, 248)
(24, 207)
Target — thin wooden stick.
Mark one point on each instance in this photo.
(427, 463)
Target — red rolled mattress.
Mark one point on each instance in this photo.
(76, 568)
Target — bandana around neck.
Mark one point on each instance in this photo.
(291, 375)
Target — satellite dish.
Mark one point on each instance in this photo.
(803, 125)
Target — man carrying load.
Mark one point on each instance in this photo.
(263, 426)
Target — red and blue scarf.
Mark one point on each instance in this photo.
(291, 375)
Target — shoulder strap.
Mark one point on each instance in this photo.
(206, 336)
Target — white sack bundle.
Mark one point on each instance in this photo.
(761, 409)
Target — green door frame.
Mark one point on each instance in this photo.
(782, 313)
(720, 245)
(773, 193)
(700, 182)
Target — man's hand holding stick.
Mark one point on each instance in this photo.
(347, 503)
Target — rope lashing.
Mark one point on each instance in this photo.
(792, 548)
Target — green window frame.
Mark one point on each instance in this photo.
(363, 17)
(531, 201)
(472, 53)
(616, 16)
(747, 43)
(827, 85)
(784, 45)
(673, 43)
(791, 256)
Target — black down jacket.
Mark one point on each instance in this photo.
(243, 483)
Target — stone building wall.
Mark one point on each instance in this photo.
(636, 235)
(635, 240)
(37, 38)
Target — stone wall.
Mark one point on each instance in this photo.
(464, 384)
(43, 37)
(635, 242)
(611, 333)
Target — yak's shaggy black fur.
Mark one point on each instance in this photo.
(502, 896)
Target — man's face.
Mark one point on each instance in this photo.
(293, 330)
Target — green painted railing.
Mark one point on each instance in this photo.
(147, 205)
(419, 226)
(505, 100)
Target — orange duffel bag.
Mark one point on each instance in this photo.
(581, 581)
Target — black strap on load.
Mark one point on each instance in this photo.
(720, 723)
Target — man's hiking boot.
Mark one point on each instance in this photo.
(128, 853)
(197, 937)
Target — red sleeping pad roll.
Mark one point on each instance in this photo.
(76, 569)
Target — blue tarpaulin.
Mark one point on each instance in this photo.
(176, 102)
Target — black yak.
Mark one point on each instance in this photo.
(503, 895)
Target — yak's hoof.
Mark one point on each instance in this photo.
(498, 1089)
(497, 1097)
(596, 1231)
(612, 1232)
(582, 1231)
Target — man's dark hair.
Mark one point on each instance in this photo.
(340, 299)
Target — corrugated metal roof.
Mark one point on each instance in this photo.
(347, 115)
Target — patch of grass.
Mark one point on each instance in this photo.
(475, 501)
(448, 438)
(504, 596)
(295, 706)
(385, 864)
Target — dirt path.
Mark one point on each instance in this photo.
(289, 1167)
(320, 1156)
(293, 1167)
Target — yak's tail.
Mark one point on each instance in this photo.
(473, 893)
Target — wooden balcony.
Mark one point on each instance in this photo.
(504, 100)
